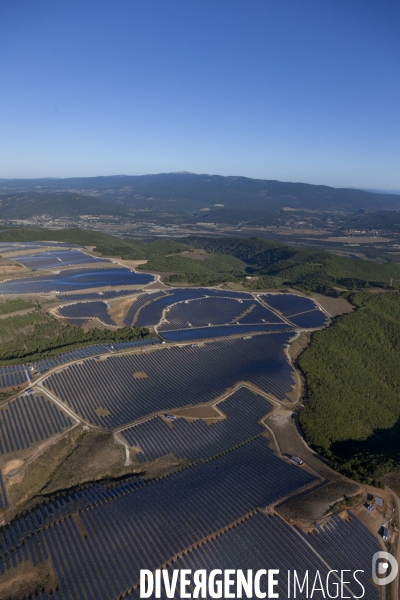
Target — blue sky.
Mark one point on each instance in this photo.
(295, 90)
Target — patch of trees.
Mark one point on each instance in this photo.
(352, 415)
(11, 306)
(38, 335)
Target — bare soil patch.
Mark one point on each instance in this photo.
(96, 324)
(197, 412)
(196, 254)
(162, 274)
(334, 306)
(18, 582)
(140, 375)
(80, 456)
(356, 239)
(96, 457)
(11, 465)
(312, 505)
(102, 412)
(163, 467)
(119, 307)
(299, 344)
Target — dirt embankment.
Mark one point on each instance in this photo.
(80, 456)
(311, 505)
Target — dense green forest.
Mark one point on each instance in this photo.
(212, 270)
(38, 334)
(307, 269)
(11, 306)
(57, 204)
(352, 415)
(75, 235)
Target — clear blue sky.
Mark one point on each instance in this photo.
(296, 90)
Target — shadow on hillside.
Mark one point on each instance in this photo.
(374, 457)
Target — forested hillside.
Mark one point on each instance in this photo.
(309, 269)
(353, 377)
(189, 191)
(230, 259)
(38, 334)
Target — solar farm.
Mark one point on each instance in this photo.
(72, 280)
(126, 388)
(52, 259)
(187, 413)
(80, 312)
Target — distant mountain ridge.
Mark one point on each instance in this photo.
(189, 191)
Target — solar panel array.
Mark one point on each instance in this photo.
(146, 527)
(73, 280)
(3, 495)
(259, 313)
(171, 377)
(21, 527)
(151, 314)
(59, 258)
(289, 304)
(127, 345)
(203, 333)
(333, 543)
(87, 310)
(29, 419)
(197, 439)
(13, 375)
(262, 541)
(53, 361)
(16, 246)
(96, 295)
(137, 305)
(199, 313)
(310, 320)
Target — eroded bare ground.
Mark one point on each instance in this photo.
(334, 306)
(81, 456)
(18, 582)
(299, 344)
(118, 308)
(162, 467)
(312, 505)
(205, 411)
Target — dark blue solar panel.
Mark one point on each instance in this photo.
(137, 304)
(71, 280)
(14, 375)
(289, 304)
(161, 517)
(151, 314)
(29, 419)
(309, 320)
(92, 310)
(19, 246)
(199, 439)
(96, 295)
(173, 376)
(260, 314)
(3, 495)
(333, 543)
(56, 258)
(205, 311)
(200, 333)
